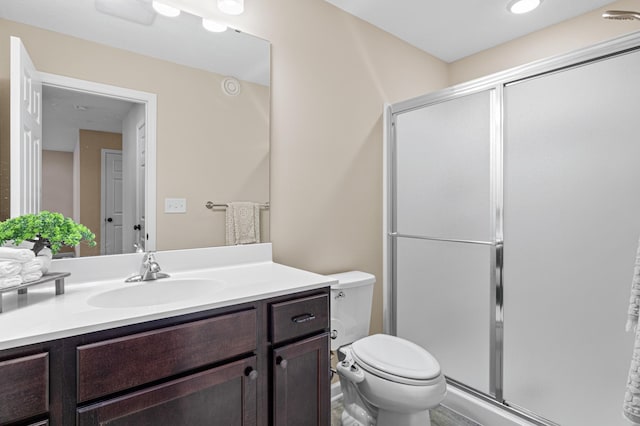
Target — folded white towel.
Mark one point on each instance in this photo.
(31, 276)
(34, 265)
(10, 281)
(9, 268)
(242, 223)
(18, 254)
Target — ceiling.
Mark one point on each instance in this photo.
(453, 29)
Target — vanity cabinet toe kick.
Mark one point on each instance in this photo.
(260, 363)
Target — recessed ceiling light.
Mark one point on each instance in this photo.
(165, 9)
(522, 6)
(231, 7)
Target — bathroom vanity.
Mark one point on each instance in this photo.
(256, 353)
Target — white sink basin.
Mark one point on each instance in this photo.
(158, 292)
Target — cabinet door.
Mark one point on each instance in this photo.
(224, 396)
(24, 388)
(301, 383)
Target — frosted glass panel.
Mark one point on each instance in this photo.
(443, 292)
(443, 177)
(572, 220)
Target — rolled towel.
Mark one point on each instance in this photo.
(10, 281)
(34, 265)
(9, 268)
(17, 254)
(31, 276)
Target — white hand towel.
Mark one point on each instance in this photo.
(631, 405)
(31, 276)
(34, 265)
(17, 254)
(9, 268)
(242, 223)
(10, 281)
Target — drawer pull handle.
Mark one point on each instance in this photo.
(251, 373)
(282, 362)
(299, 319)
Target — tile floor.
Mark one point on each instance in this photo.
(440, 416)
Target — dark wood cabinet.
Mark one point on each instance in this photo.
(300, 361)
(215, 367)
(301, 383)
(224, 396)
(24, 388)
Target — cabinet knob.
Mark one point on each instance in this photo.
(282, 362)
(251, 373)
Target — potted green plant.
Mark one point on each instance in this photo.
(45, 229)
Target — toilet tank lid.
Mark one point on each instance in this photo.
(352, 279)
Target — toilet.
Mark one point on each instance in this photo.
(385, 380)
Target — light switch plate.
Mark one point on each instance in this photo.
(175, 205)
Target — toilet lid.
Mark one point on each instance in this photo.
(395, 356)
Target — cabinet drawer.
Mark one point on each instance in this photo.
(299, 317)
(118, 364)
(24, 387)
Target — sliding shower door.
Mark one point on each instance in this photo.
(571, 227)
(513, 227)
(443, 219)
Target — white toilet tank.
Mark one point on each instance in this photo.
(351, 300)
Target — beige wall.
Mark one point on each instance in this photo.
(57, 182)
(91, 145)
(331, 75)
(564, 37)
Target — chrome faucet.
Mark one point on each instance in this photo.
(149, 271)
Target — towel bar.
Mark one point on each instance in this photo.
(210, 205)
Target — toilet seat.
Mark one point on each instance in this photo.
(396, 359)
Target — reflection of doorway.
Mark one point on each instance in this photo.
(141, 107)
(85, 123)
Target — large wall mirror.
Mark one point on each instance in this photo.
(166, 108)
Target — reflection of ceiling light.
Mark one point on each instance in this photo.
(522, 6)
(231, 7)
(165, 9)
(213, 26)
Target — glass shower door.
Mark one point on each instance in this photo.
(444, 234)
(571, 227)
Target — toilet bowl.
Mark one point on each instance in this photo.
(385, 380)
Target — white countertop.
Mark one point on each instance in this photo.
(43, 316)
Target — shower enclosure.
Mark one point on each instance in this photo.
(513, 223)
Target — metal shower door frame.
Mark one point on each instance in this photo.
(496, 84)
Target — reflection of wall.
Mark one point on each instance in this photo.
(57, 182)
(209, 145)
(91, 144)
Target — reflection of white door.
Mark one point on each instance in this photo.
(26, 131)
(112, 202)
(140, 185)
